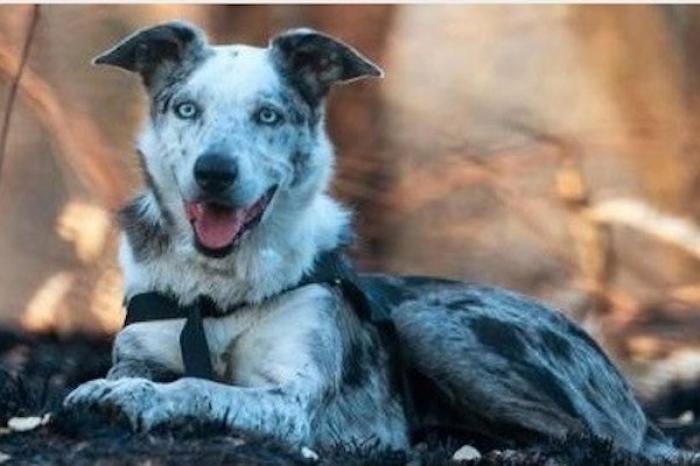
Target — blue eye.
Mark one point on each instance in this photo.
(186, 110)
(268, 116)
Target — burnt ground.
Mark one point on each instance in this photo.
(36, 372)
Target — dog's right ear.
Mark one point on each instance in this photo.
(157, 51)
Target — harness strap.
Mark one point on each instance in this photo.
(154, 305)
(194, 347)
(151, 306)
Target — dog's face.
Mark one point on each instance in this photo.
(236, 133)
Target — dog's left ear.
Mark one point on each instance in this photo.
(315, 61)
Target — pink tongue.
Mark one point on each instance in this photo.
(216, 227)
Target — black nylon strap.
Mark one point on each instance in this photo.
(150, 306)
(194, 347)
(333, 268)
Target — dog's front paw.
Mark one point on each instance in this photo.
(140, 401)
(89, 393)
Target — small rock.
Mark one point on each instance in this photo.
(466, 453)
(308, 454)
(686, 418)
(236, 441)
(24, 424)
(4, 457)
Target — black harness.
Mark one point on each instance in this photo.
(331, 268)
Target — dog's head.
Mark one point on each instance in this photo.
(235, 134)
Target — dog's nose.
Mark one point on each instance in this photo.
(215, 172)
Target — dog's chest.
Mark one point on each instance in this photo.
(256, 346)
(277, 345)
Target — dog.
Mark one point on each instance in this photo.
(226, 240)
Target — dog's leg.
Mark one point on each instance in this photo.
(283, 411)
(142, 353)
(148, 350)
(514, 368)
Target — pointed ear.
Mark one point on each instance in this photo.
(157, 51)
(315, 61)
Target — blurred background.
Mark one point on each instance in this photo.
(550, 149)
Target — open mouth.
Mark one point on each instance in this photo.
(217, 227)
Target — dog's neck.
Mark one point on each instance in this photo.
(155, 257)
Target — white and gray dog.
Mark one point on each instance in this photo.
(224, 247)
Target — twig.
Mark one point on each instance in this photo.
(681, 232)
(14, 84)
(80, 141)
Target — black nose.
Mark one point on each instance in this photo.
(215, 172)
